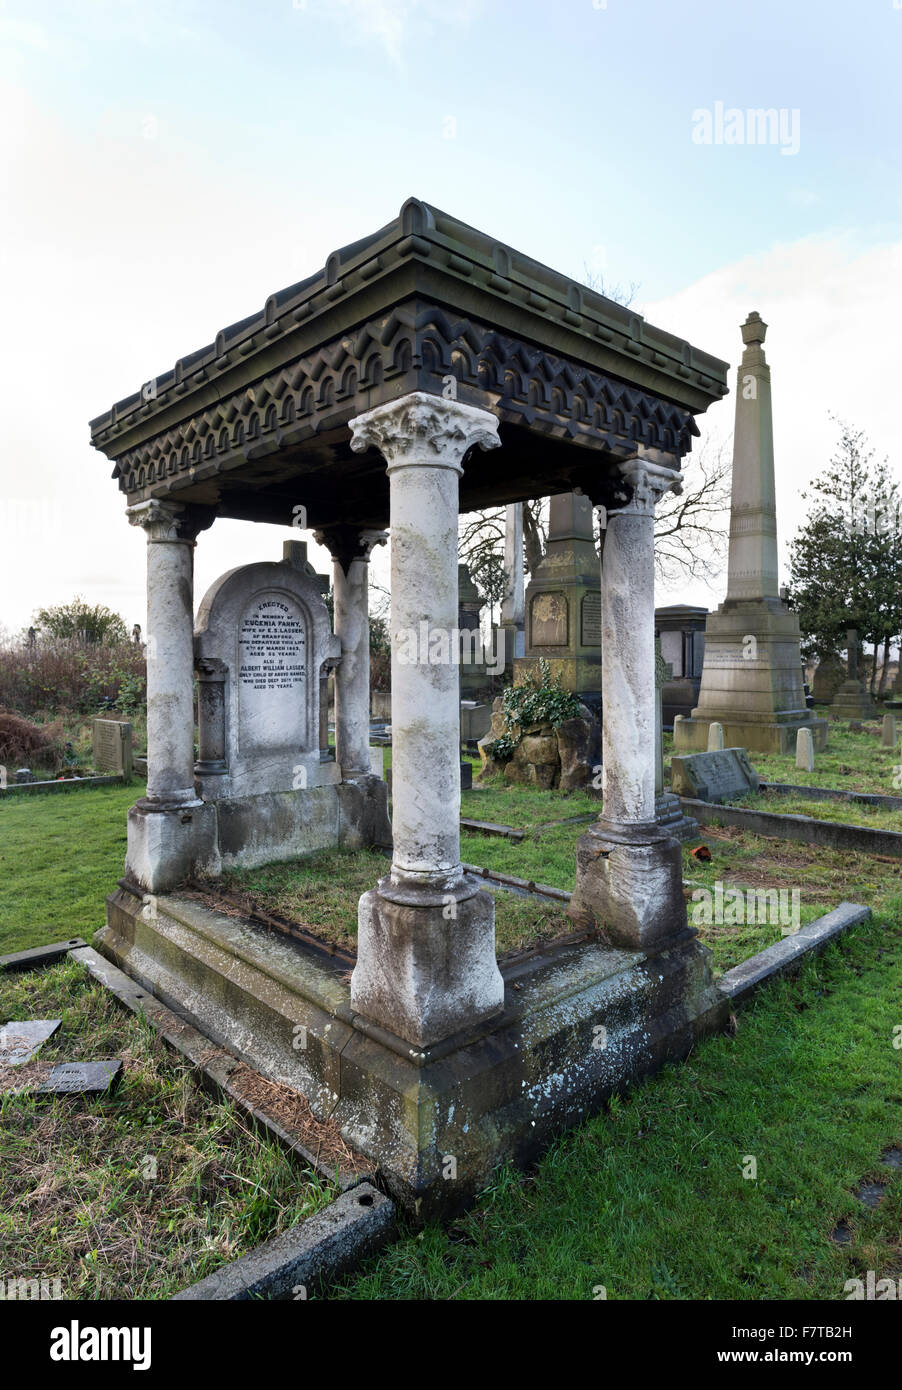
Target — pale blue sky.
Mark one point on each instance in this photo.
(168, 165)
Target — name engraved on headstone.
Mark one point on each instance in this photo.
(272, 674)
(590, 635)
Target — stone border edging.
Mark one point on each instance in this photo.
(774, 825)
(311, 1255)
(62, 784)
(883, 803)
(787, 953)
(214, 1063)
(39, 956)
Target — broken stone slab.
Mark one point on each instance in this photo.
(717, 776)
(785, 954)
(20, 1040)
(309, 1256)
(39, 955)
(82, 1078)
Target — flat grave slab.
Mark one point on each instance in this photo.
(20, 1040)
(716, 776)
(82, 1078)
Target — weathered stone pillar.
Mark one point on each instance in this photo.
(426, 963)
(513, 604)
(629, 876)
(168, 828)
(350, 587)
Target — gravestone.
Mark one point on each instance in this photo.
(263, 647)
(81, 1078)
(668, 811)
(20, 1040)
(805, 750)
(563, 602)
(889, 731)
(852, 700)
(113, 751)
(715, 737)
(682, 629)
(377, 762)
(719, 776)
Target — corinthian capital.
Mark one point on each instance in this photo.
(424, 429)
(650, 479)
(170, 521)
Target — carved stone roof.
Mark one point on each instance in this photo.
(256, 423)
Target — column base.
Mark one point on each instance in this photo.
(426, 966)
(168, 842)
(629, 884)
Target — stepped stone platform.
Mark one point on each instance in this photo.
(580, 1022)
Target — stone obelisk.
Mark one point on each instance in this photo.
(752, 673)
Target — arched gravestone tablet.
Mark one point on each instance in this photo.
(262, 642)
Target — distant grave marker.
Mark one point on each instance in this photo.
(113, 750)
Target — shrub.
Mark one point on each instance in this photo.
(540, 699)
(19, 739)
(67, 674)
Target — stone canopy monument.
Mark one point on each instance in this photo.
(752, 673)
(427, 369)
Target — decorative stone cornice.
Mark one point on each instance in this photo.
(357, 283)
(423, 429)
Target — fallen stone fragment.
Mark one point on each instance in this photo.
(92, 1078)
(20, 1040)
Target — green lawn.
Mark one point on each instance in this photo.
(136, 1194)
(60, 855)
(851, 762)
(648, 1199)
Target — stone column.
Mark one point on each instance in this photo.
(170, 651)
(629, 876)
(426, 964)
(163, 840)
(350, 587)
(513, 604)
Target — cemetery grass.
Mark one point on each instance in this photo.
(648, 1199)
(846, 812)
(60, 856)
(851, 762)
(77, 1198)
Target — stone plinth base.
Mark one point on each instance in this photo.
(777, 736)
(583, 1022)
(168, 845)
(751, 682)
(630, 885)
(406, 937)
(852, 701)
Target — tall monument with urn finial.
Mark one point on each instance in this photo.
(752, 673)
